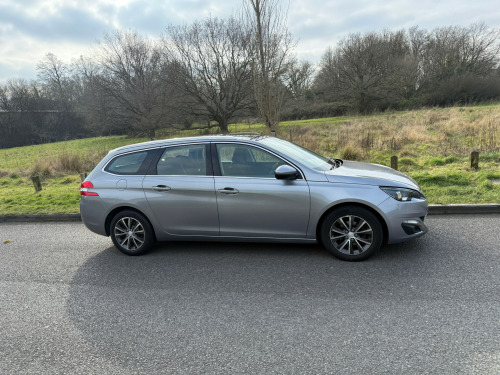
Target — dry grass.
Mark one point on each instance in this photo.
(64, 164)
(432, 132)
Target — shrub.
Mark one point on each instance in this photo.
(42, 168)
(350, 153)
(70, 163)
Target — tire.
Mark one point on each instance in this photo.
(351, 233)
(132, 233)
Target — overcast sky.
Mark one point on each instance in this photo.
(29, 29)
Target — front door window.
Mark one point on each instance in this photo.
(246, 161)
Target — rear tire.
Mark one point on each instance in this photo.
(132, 233)
(351, 233)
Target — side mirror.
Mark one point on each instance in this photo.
(286, 172)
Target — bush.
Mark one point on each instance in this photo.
(298, 110)
(42, 169)
(71, 163)
(350, 153)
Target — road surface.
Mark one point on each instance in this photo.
(72, 304)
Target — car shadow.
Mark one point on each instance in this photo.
(167, 298)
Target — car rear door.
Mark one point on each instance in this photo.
(251, 202)
(180, 191)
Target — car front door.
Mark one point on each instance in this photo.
(251, 201)
(180, 191)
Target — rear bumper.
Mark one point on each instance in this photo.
(93, 214)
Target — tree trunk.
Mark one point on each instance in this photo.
(223, 126)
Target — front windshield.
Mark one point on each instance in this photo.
(300, 154)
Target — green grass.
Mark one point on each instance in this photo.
(59, 195)
(22, 158)
(433, 147)
(456, 184)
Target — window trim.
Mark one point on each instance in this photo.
(218, 172)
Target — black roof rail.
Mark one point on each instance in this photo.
(246, 133)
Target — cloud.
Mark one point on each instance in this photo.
(319, 24)
(65, 23)
(152, 17)
(31, 28)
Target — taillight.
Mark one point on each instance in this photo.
(84, 188)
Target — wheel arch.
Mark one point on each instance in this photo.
(113, 213)
(382, 221)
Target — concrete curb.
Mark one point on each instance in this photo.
(464, 209)
(434, 209)
(39, 218)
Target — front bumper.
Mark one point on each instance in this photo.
(405, 220)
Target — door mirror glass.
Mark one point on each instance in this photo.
(286, 172)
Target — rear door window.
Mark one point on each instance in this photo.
(187, 160)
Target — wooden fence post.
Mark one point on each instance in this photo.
(83, 176)
(37, 183)
(474, 159)
(394, 162)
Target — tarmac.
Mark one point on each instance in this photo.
(434, 209)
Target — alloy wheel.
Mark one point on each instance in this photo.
(129, 233)
(351, 235)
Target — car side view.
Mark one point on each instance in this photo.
(248, 187)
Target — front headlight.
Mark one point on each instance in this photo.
(402, 194)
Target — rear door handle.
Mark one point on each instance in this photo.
(161, 188)
(229, 191)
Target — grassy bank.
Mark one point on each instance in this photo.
(433, 147)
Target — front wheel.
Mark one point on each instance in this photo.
(351, 233)
(131, 233)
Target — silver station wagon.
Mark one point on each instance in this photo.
(248, 187)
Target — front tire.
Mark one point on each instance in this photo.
(132, 233)
(351, 233)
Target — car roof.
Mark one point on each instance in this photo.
(195, 139)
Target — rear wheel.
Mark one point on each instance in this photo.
(131, 233)
(351, 233)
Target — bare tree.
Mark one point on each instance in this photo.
(457, 50)
(93, 101)
(210, 61)
(55, 79)
(458, 64)
(369, 72)
(131, 74)
(298, 77)
(17, 103)
(29, 116)
(271, 45)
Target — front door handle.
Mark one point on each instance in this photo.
(161, 188)
(229, 191)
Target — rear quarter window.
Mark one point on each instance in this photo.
(135, 163)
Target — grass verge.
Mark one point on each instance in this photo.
(432, 145)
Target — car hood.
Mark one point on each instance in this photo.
(370, 174)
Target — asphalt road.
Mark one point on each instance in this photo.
(72, 304)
